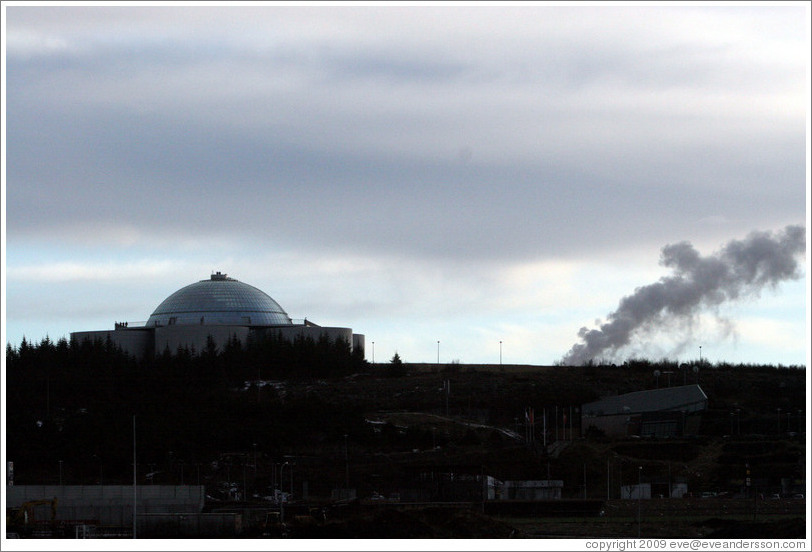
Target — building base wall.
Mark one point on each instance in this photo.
(196, 337)
(136, 342)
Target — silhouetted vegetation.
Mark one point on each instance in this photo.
(77, 401)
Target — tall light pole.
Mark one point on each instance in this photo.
(500, 353)
(373, 353)
(346, 463)
(135, 482)
(738, 421)
(281, 480)
(639, 496)
(282, 499)
(438, 352)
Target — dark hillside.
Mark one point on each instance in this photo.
(206, 417)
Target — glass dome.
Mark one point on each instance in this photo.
(219, 300)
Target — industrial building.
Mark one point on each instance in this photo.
(667, 412)
(219, 309)
(106, 511)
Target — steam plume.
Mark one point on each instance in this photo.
(741, 268)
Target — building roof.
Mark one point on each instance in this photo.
(689, 398)
(219, 300)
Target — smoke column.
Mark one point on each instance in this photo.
(741, 268)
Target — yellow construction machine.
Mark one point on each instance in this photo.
(23, 519)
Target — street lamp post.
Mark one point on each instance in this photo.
(438, 352)
(500, 353)
(373, 353)
(639, 496)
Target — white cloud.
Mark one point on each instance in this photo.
(89, 272)
(27, 43)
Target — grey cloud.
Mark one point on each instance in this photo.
(741, 268)
(159, 170)
(358, 135)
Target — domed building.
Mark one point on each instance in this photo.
(219, 300)
(220, 308)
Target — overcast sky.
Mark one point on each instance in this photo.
(462, 174)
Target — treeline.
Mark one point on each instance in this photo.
(269, 357)
(75, 402)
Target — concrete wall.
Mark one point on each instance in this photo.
(679, 490)
(633, 492)
(315, 333)
(658, 424)
(619, 425)
(532, 490)
(145, 342)
(189, 525)
(358, 342)
(196, 336)
(137, 342)
(109, 504)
